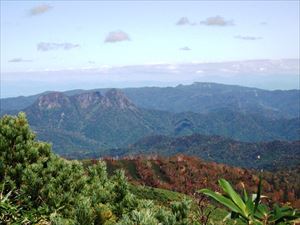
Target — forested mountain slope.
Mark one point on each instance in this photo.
(94, 121)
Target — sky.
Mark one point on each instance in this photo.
(47, 45)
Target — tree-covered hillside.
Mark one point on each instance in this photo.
(271, 155)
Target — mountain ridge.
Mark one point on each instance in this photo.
(97, 123)
(199, 97)
(102, 116)
(93, 124)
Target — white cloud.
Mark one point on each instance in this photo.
(116, 36)
(217, 21)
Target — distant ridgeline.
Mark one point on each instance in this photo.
(197, 97)
(217, 122)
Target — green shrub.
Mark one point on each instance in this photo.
(38, 187)
(249, 209)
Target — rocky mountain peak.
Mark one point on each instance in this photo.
(89, 99)
(113, 98)
(118, 99)
(53, 100)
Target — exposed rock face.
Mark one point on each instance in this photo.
(117, 98)
(112, 99)
(53, 100)
(88, 99)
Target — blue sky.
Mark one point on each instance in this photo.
(42, 36)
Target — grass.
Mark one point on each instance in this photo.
(159, 196)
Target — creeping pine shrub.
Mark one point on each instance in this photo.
(38, 187)
(181, 211)
(84, 212)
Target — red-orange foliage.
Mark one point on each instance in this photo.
(187, 174)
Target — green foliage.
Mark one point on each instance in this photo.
(249, 209)
(181, 211)
(9, 212)
(104, 215)
(38, 187)
(156, 194)
(84, 212)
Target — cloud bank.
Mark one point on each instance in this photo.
(116, 36)
(270, 74)
(49, 46)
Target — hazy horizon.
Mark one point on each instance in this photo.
(64, 45)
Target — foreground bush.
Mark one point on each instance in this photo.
(38, 187)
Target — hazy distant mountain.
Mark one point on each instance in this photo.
(268, 74)
(198, 98)
(209, 97)
(92, 121)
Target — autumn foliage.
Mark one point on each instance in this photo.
(187, 174)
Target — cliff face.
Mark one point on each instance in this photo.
(112, 99)
(52, 100)
(116, 98)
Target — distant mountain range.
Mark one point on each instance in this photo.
(91, 120)
(169, 121)
(211, 97)
(197, 97)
